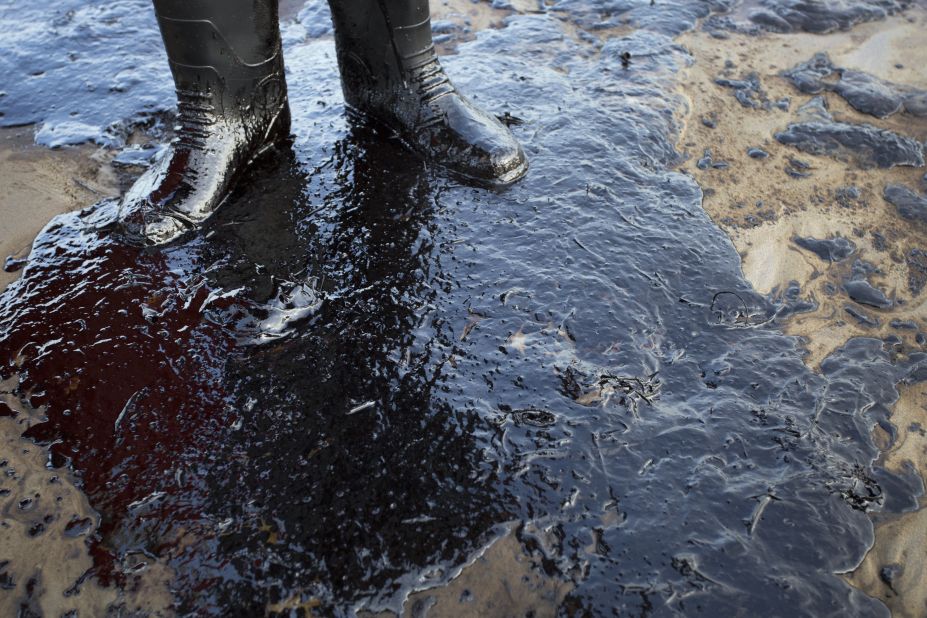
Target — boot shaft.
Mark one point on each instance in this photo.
(409, 22)
(397, 32)
(225, 52)
(385, 46)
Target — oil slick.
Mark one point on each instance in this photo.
(572, 377)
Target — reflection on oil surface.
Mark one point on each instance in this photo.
(360, 370)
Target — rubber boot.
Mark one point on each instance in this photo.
(227, 63)
(390, 73)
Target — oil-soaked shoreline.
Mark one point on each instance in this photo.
(362, 372)
(819, 226)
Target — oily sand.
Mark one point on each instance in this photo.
(39, 183)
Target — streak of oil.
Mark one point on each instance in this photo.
(360, 373)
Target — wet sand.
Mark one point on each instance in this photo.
(39, 183)
(763, 210)
(895, 570)
(504, 580)
(44, 530)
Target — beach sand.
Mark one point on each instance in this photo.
(46, 524)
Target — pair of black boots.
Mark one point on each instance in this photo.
(227, 63)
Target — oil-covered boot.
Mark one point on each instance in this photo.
(390, 73)
(227, 63)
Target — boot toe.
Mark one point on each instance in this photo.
(478, 145)
(508, 162)
(163, 229)
(142, 224)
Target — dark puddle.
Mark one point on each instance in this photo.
(831, 249)
(360, 370)
(862, 292)
(820, 17)
(865, 93)
(754, 17)
(85, 71)
(863, 144)
(909, 204)
(749, 92)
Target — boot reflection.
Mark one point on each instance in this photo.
(346, 472)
